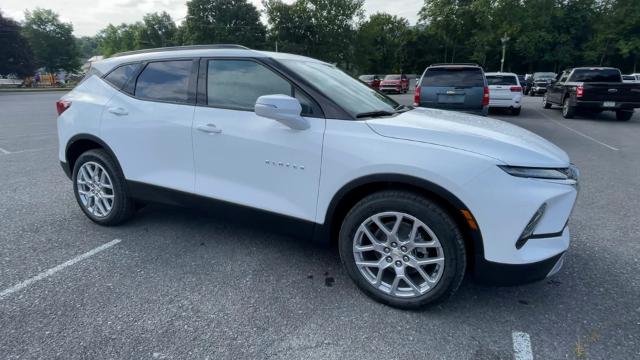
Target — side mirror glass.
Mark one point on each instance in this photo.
(283, 109)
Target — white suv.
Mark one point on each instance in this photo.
(505, 91)
(412, 197)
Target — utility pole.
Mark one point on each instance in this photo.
(504, 40)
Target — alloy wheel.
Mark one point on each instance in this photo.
(398, 254)
(95, 189)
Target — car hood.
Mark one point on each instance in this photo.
(500, 140)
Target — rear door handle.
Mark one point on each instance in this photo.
(120, 111)
(209, 129)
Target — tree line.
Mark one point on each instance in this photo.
(543, 35)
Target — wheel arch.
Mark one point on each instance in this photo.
(80, 143)
(357, 189)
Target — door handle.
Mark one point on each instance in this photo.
(209, 129)
(120, 111)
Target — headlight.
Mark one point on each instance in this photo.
(570, 173)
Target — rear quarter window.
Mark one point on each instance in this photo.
(120, 75)
(453, 77)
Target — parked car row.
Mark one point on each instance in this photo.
(398, 83)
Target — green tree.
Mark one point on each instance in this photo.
(16, 56)
(223, 21)
(380, 42)
(157, 30)
(87, 47)
(52, 41)
(119, 38)
(325, 29)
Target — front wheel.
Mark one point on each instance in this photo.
(516, 111)
(402, 249)
(100, 188)
(568, 111)
(623, 115)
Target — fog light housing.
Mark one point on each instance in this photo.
(531, 226)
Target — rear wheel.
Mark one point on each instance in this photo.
(100, 188)
(515, 111)
(568, 111)
(402, 249)
(624, 115)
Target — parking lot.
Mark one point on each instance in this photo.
(177, 283)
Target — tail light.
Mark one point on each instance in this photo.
(579, 91)
(62, 106)
(485, 97)
(416, 96)
(516, 89)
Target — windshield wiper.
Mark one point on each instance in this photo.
(379, 113)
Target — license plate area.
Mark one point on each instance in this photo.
(609, 104)
(450, 99)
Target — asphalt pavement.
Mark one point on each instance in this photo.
(175, 283)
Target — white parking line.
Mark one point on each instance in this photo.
(521, 346)
(6, 152)
(578, 132)
(53, 270)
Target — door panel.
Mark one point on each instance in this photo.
(152, 140)
(258, 162)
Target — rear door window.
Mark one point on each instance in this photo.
(165, 81)
(453, 77)
(501, 80)
(121, 75)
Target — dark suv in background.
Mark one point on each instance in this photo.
(461, 87)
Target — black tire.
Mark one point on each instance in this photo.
(123, 207)
(568, 111)
(432, 215)
(516, 111)
(546, 103)
(624, 115)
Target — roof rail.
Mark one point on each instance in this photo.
(177, 48)
(462, 64)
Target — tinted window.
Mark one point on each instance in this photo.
(628, 77)
(121, 75)
(453, 77)
(165, 81)
(238, 83)
(501, 80)
(596, 75)
(352, 95)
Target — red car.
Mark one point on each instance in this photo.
(395, 83)
(371, 80)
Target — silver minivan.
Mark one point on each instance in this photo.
(460, 87)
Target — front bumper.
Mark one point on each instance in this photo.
(503, 206)
(508, 274)
(391, 89)
(538, 90)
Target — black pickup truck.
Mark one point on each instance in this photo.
(594, 89)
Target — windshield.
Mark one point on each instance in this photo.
(366, 77)
(501, 80)
(352, 95)
(392, 77)
(596, 75)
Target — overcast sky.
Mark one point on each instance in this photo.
(89, 16)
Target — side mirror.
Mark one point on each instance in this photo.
(283, 109)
